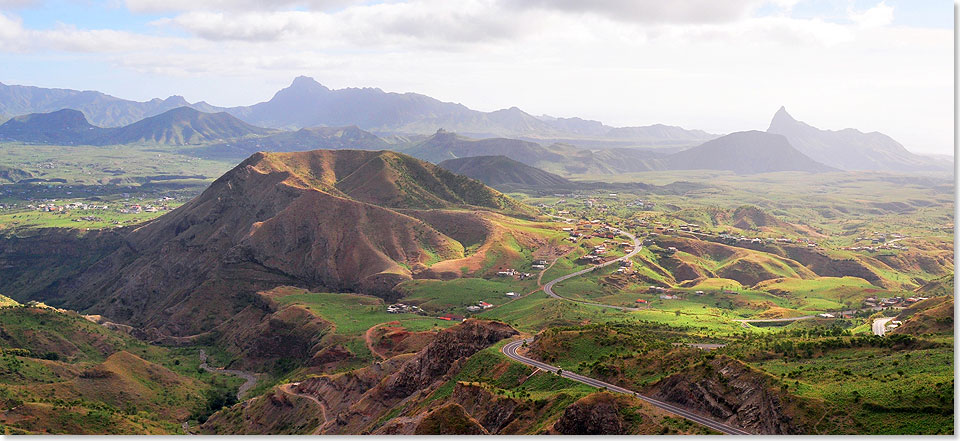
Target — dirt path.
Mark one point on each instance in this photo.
(249, 376)
(368, 339)
(289, 389)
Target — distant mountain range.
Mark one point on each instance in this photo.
(180, 126)
(851, 149)
(307, 103)
(740, 152)
(313, 138)
(99, 108)
(435, 131)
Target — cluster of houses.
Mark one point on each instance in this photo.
(891, 302)
(54, 208)
(137, 208)
(398, 308)
(510, 272)
(479, 307)
(595, 257)
(731, 239)
(88, 219)
(886, 246)
(641, 204)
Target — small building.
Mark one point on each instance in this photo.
(485, 305)
(512, 294)
(642, 301)
(826, 315)
(474, 308)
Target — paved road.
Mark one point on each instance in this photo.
(880, 325)
(510, 350)
(548, 288)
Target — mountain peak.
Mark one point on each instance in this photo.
(176, 99)
(306, 83)
(780, 119)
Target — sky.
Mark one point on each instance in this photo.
(719, 66)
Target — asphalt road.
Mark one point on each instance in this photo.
(880, 325)
(548, 288)
(510, 350)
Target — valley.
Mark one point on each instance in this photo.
(191, 272)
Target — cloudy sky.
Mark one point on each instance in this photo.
(720, 66)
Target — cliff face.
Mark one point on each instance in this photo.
(436, 359)
(276, 413)
(597, 414)
(450, 419)
(732, 392)
(357, 399)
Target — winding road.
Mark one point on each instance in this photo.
(510, 350)
(250, 377)
(548, 288)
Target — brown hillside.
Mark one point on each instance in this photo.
(931, 316)
(324, 220)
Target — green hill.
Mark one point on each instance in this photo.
(181, 126)
(500, 170)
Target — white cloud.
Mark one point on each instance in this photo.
(15, 38)
(649, 11)
(879, 15)
(152, 6)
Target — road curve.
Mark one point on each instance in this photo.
(548, 288)
(251, 378)
(880, 325)
(510, 350)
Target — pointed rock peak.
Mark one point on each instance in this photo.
(781, 119)
(783, 115)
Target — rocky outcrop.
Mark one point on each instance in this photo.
(436, 359)
(357, 399)
(450, 419)
(491, 411)
(732, 392)
(275, 413)
(596, 414)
